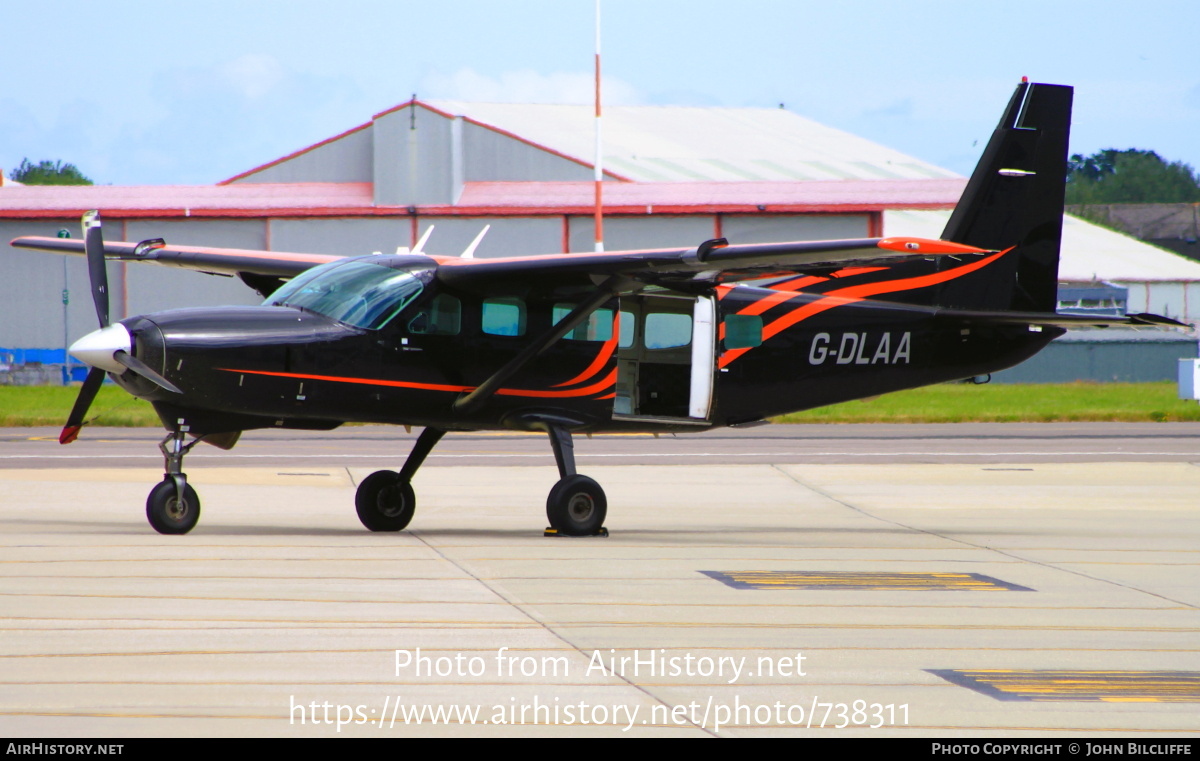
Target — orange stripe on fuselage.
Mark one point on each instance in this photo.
(852, 271)
(928, 246)
(798, 283)
(854, 293)
(362, 381)
(766, 302)
(606, 350)
(610, 380)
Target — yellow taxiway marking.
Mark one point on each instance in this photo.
(1100, 686)
(863, 581)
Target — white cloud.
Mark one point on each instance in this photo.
(527, 86)
(254, 74)
(1192, 98)
(191, 124)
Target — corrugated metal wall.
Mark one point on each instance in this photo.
(348, 236)
(1178, 300)
(1123, 356)
(31, 283)
(755, 228)
(641, 232)
(508, 236)
(413, 158)
(491, 156)
(345, 159)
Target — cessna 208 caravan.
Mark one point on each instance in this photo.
(653, 341)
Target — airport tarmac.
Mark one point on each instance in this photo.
(834, 581)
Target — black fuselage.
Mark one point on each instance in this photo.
(672, 361)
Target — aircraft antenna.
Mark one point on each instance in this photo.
(469, 252)
(419, 248)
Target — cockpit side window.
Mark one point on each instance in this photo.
(442, 316)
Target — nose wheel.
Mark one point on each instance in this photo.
(171, 512)
(173, 507)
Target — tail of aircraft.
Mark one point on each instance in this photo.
(1015, 198)
(1013, 203)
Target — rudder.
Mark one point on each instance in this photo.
(1015, 197)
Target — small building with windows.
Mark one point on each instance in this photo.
(1095, 297)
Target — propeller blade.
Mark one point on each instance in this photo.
(93, 246)
(142, 369)
(70, 432)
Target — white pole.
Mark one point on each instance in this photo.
(599, 215)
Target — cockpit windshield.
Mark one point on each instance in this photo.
(359, 292)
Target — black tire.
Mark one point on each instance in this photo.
(577, 506)
(169, 515)
(384, 502)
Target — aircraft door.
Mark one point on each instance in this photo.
(665, 357)
(704, 342)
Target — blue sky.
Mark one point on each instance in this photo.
(193, 92)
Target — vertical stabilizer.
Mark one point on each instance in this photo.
(1015, 198)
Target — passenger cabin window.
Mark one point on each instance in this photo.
(743, 331)
(504, 316)
(440, 317)
(667, 330)
(597, 327)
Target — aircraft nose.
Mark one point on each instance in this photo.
(98, 347)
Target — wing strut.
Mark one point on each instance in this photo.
(486, 390)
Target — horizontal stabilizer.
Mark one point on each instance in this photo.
(1061, 319)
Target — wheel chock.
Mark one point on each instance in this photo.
(602, 531)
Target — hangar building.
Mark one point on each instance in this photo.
(676, 176)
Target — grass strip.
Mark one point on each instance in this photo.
(24, 406)
(1013, 403)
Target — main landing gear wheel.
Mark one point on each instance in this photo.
(384, 502)
(169, 514)
(576, 506)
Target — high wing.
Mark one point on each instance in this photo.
(217, 261)
(711, 262)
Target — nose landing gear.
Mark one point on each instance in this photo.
(173, 507)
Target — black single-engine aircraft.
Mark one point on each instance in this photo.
(659, 341)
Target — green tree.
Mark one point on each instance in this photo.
(48, 173)
(1130, 176)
